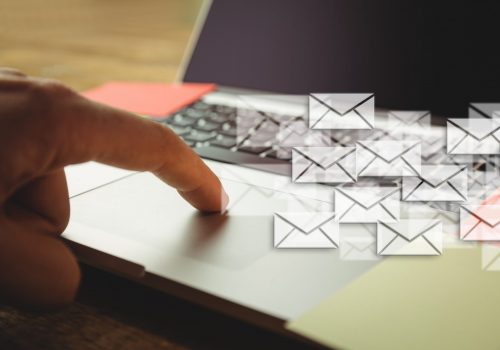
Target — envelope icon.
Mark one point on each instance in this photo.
(433, 144)
(490, 257)
(480, 222)
(341, 111)
(473, 136)
(483, 110)
(273, 193)
(256, 128)
(403, 120)
(479, 182)
(360, 245)
(295, 132)
(324, 164)
(305, 230)
(388, 158)
(360, 204)
(410, 237)
(436, 183)
(258, 117)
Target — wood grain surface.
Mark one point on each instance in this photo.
(84, 43)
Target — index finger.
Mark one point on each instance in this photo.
(91, 131)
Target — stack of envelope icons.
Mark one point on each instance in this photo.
(388, 158)
(324, 164)
(473, 136)
(432, 167)
(341, 111)
(480, 222)
(410, 237)
(436, 183)
(359, 204)
(305, 230)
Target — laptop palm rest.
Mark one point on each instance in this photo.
(142, 221)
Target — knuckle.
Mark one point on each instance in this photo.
(47, 92)
(47, 100)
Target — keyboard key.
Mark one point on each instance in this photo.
(228, 132)
(199, 136)
(253, 150)
(194, 113)
(217, 118)
(225, 142)
(181, 120)
(203, 125)
(202, 106)
(272, 154)
(179, 130)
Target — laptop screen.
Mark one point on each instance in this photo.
(411, 54)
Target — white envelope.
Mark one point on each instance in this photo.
(435, 211)
(388, 158)
(360, 243)
(305, 230)
(324, 164)
(480, 222)
(436, 183)
(258, 117)
(473, 136)
(295, 132)
(490, 257)
(257, 128)
(483, 110)
(341, 111)
(360, 204)
(410, 237)
(408, 121)
(275, 193)
(433, 145)
(479, 183)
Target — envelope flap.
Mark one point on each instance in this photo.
(436, 175)
(411, 229)
(477, 128)
(341, 103)
(306, 222)
(388, 150)
(489, 214)
(408, 117)
(367, 197)
(325, 157)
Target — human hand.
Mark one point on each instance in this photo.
(45, 126)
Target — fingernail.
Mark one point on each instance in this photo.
(224, 200)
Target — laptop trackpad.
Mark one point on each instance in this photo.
(143, 209)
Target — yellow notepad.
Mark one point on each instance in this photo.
(443, 302)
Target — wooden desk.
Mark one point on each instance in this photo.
(85, 43)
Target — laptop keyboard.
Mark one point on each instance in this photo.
(207, 127)
(204, 125)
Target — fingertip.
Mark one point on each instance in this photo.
(224, 199)
(208, 197)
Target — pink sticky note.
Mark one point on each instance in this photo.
(154, 99)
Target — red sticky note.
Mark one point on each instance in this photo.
(153, 99)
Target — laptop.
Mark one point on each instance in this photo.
(133, 225)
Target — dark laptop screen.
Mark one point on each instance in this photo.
(411, 54)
